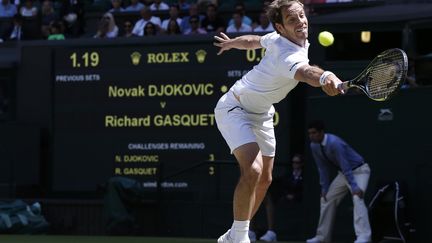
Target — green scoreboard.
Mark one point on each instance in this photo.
(144, 111)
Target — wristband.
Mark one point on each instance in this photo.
(323, 77)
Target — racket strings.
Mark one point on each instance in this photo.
(386, 75)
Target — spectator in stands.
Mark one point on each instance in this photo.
(193, 11)
(264, 24)
(7, 9)
(238, 26)
(212, 22)
(56, 31)
(135, 6)
(116, 6)
(183, 5)
(173, 28)
(147, 3)
(194, 26)
(203, 4)
(146, 16)
(173, 15)
(287, 188)
(47, 17)
(240, 7)
(107, 27)
(158, 5)
(28, 10)
(16, 32)
(150, 29)
(338, 1)
(127, 29)
(72, 12)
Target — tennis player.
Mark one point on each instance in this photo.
(329, 151)
(244, 114)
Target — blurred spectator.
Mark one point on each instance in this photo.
(73, 15)
(47, 17)
(7, 9)
(173, 15)
(116, 6)
(212, 22)
(150, 29)
(127, 28)
(147, 3)
(134, 6)
(158, 5)
(238, 26)
(28, 10)
(193, 11)
(146, 16)
(203, 4)
(240, 7)
(264, 24)
(194, 26)
(338, 1)
(16, 32)
(56, 31)
(183, 5)
(173, 28)
(107, 27)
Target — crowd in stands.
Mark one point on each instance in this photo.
(60, 19)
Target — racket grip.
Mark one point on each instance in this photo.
(344, 86)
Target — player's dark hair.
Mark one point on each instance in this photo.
(317, 124)
(274, 10)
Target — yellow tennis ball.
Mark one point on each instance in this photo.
(325, 38)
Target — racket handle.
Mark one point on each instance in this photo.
(344, 86)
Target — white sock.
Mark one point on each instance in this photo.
(241, 229)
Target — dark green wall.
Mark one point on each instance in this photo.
(396, 149)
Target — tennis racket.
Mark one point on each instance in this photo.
(383, 77)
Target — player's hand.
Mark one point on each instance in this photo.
(223, 41)
(331, 85)
(359, 193)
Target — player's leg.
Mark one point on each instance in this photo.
(335, 194)
(264, 182)
(361, 217)
(251, 166)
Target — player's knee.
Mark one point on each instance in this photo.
(265, 180)
(252, 173)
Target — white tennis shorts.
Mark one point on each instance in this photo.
(239, 127)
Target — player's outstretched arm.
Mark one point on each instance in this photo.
(244, 42)
(317, 77)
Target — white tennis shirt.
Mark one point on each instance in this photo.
(273, 78)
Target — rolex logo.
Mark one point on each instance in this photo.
(136, 58)
(201, 55)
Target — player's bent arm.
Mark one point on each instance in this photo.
(309, 74)
(316, 77)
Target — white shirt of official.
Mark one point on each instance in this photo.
(273, 78)
(139, 25)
